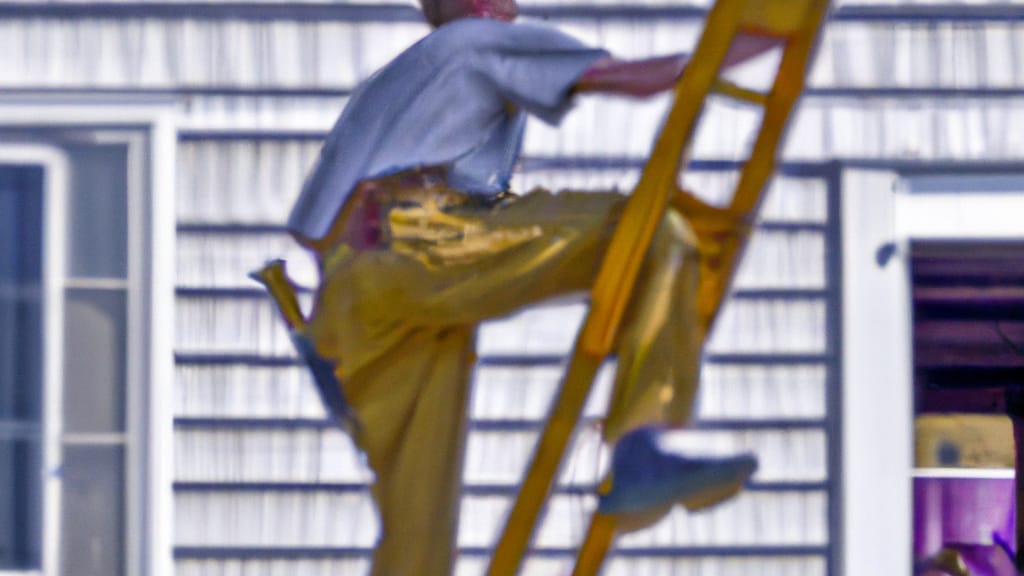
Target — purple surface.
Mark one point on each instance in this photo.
(970, 511)
(986, 560)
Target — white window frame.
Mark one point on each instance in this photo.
(149, 524)
(54, 164)
(879, 222)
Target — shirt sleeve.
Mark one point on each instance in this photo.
(537, 68)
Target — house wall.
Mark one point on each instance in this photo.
(264, 486)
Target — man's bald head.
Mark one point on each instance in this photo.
(440, 12)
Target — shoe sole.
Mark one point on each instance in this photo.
(715, 495)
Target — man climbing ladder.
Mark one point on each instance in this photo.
(419, 241)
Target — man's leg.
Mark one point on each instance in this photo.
(659, 347)
(656, 383)
(413, 408)
(398, 322)
(408, 385)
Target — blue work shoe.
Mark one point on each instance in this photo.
(647, 481)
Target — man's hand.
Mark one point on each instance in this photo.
(642, 78)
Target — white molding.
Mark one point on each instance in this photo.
(136, 442)
(32, 110)
(975, 215)
(96, 439)
(877, 382)
(163, 153)
(96, 284)
(154, 119)
(55, 164)
(971, 473)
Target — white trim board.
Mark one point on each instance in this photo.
(971, 473)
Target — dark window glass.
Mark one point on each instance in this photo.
(21, 365)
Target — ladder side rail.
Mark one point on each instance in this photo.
(747, 199)
(750, 190)
(615, 280)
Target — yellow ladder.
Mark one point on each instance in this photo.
(796, 24)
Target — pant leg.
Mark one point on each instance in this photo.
(660, 342)
(413, 405)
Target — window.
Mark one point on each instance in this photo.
(967, 298)
(95, 363)
(63, 334)
(884, 214)
(21, 366)
(81, 468)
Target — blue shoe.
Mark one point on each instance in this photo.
(647, 481)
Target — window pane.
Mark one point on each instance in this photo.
(98, 202)
(21, 209)
(20, 503)
(21, 381)
(94, 360)
(92, 526)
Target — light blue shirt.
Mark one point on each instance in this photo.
(457, 98)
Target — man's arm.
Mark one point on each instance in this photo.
(642, 78)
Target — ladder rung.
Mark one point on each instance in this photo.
(778, 17)
(740, 93)
(755, 30)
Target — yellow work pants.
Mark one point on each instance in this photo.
(400, 323)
